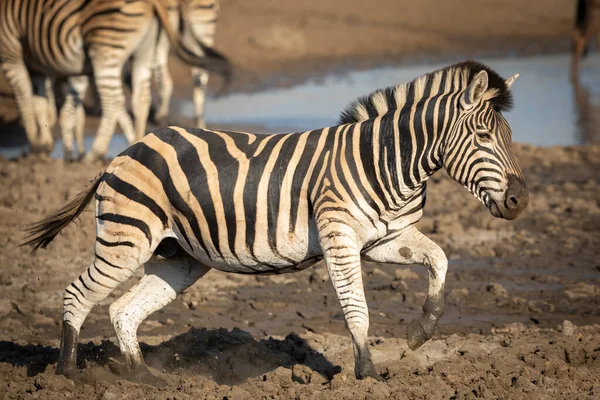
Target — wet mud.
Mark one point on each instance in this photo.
(522, 305)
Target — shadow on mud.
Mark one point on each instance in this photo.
(226, 357)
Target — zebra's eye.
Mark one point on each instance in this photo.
(484, 135)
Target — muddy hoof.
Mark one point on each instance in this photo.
(69, 372)
(68, 156)
(367, 370)
(416, 334)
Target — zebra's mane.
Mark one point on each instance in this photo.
(381, 101)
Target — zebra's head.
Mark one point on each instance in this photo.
(478, 151)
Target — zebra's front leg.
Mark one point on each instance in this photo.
(412, 247)
(342, 256)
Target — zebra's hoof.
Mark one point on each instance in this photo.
(70, 372)
(68, 156)
(91, 158)
(367, 371)
(418, 333)
(160, 120)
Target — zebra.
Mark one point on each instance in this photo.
(183, 201)
(196, 22)
(70, 38)
(586, 29)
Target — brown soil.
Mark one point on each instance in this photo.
(522, 317)
(523, 297)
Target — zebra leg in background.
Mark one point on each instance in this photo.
(19, 80)
(200, 79)
(164, 84)
(44, 110)
(342, 256)
(160, 73)
(579, 45)
(141, 73)
(110, 87)
(412, 247)
(72, 116)
(164, 279)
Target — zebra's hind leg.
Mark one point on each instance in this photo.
(109, 269)
(19, 80)
(164, 279)
(141, 74)
(107, 76)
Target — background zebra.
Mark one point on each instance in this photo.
(184, 201)
(68, 38)
(195, 20)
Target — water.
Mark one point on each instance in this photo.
(548, 110)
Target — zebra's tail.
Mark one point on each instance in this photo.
(211, 60)
(41, 233)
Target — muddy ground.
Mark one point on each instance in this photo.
(523, 297)
(522, 317)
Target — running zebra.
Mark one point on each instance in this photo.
(69, 38)
(185, 201)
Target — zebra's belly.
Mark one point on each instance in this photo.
(295, 254)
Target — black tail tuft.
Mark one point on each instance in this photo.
(40, 234)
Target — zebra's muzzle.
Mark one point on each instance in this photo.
(516, 198)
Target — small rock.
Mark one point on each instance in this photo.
(380, 390)
(5, 307)
(379, 273)
(459, 293)
(540, 306)
(282, 376)
(237, 392)
(109, 396)
(301, 374)
(497, 289)
(318, 275)
(405, 274)
(567, 328)
(339, 381)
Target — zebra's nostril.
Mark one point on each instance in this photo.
(512, 202)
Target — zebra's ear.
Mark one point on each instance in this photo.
(511, 80)
(474, 92)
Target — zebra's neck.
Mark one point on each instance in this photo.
(406, 149)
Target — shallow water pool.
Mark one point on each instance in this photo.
(548, 109)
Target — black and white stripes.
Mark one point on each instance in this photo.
(248, 203)
(64, 39)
